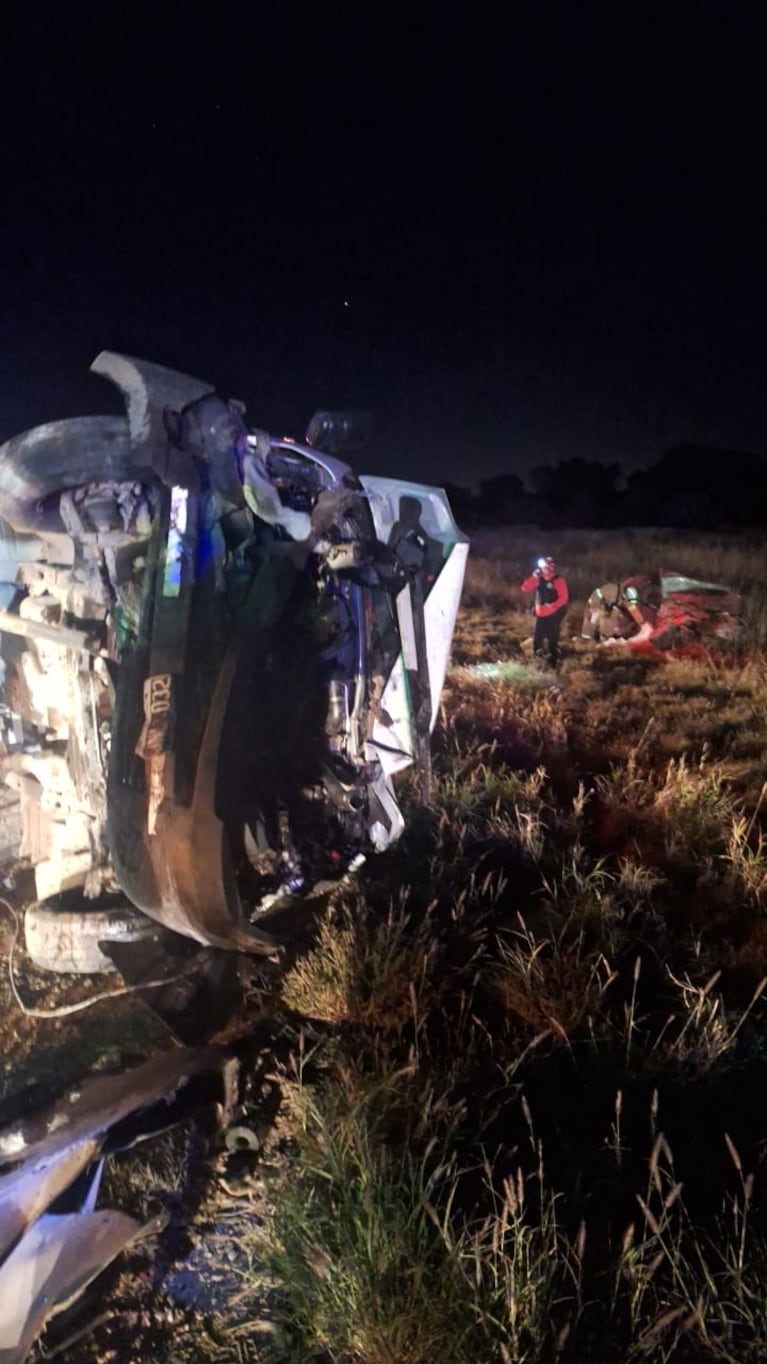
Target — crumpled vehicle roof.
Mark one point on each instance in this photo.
(689, 610)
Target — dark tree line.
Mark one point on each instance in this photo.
(690, 486)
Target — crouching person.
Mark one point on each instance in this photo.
(551, 598)
(620, 610)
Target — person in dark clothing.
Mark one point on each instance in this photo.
(551, 598)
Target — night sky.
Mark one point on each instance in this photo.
(516, 233)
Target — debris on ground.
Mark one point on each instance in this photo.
(49, 1254)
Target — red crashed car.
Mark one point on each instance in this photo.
(665, 609)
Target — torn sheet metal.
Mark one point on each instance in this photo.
(664, 609)
(115, 1111)
(48, 1259)
(52, 1266)
(25, 1195)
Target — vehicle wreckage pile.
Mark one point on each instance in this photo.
(662, 610)
(220, 648)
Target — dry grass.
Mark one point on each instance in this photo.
(549, 986)
(363, 971)
(555, 981)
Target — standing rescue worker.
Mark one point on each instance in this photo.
(551, 598)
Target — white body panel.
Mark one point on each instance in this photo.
(394, 743)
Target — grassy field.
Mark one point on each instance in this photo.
(531, 1105)
(525, 1114)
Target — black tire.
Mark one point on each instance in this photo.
(39, 464)
(70, 940)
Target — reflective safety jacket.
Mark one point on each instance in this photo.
(551, 594)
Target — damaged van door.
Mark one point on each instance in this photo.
(220, 650)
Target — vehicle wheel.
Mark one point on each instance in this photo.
(39, 464)
(70, 940)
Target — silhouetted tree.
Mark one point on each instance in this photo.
(499, 498)
(463, 504)
(695, 485)
(578, 491)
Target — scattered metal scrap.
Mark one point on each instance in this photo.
(53, 1265)
(48, 1256)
